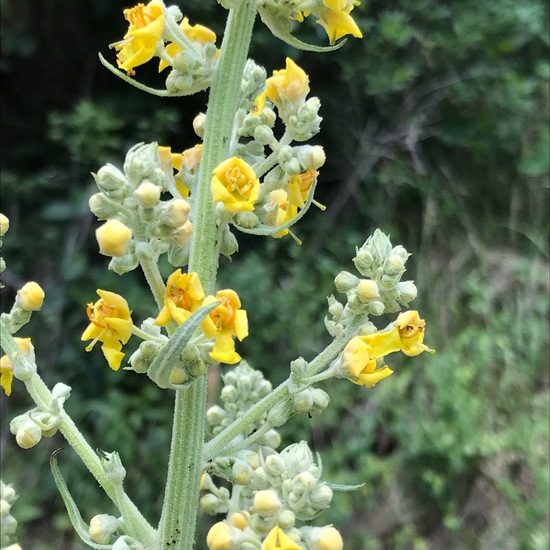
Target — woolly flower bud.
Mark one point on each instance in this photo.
(110, 180)
(311, 157)
(4, 225)
(198, 124)
(220, 537)
(407, 291)
(31, 296)
(176, 213)
(148, 194)
(321, 496)
(376, 307)
(100, 206)
(102, 528)
(266, 502)
(28, 435)
(367, 290)
(242, 473)
(323, 538)
(364, 261)
(240, 520)
(113, 238)
(345, 281)
(394, 265)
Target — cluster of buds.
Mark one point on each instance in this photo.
(189, 50)
(289, 173)
(8, 524)
(29, 427)
(283, 489)
(381, 290)
(243, 387)
(138, 222)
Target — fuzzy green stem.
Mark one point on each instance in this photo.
(152, 274)
(185, 467)
(217, 445)
(42, 396)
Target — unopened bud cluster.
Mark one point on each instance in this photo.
(243, 387)
(8, 524)
(288, 172)
(282, 490)
(381, 291)
(29, 427)
(29, 298)
(138, 222)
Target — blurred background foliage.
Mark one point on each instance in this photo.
(436, 131)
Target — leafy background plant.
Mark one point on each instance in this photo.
(436, 131)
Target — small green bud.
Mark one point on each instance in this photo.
(148, 194)
(345, 281)
(264, 135)
(114, 470)
(215, 415)
(367, 290)
(407, 291)
(28, 435)
(364, 262)
(321, 496)
(311, 157)
(198, 124)
(394, 265)
(274, 465)
(111, 181)
(248, 220)
(303, 401)
(102, 528)
(272, 439)
(242, 473)
(376, 307)
(101, 207)
(4, 225)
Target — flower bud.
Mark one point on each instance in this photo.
(321, 399)
(345, 281)
(4, 225)
(247, 220)
(286, 519)
(376, 307)
(28, 435)
(242, 473)
(113, 238)
(215, 415)
(114, 470)
(303, 401)
(220, 537)
(272, 439)
(274, 465)
(102, 528)
(264, 135)
(240, 520)
(321, 496)
(407, 291)
(176, 213)
(111, 181)
(101, 207)
(311, 157)
(198, 124)
(148, 194)
(364, 262)
(210, 503)
(323, 538)
(266, 502)
(367, 290)
(394, 265)
(31, 296)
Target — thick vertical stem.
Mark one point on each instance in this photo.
(179, 514)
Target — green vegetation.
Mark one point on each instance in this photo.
(436, 131)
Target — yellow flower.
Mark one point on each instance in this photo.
(31, 296)
(145, 31)
(110, 324)
(195, 33)
(6, 365)
(184, 294)
(283, 210)
(224, 323)
(361, 355)
(337, 21)
(291, 83)
(235, 185)
(277, 540)
(299, 187)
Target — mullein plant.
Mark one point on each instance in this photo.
(242, 175)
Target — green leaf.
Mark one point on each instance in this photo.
(344, 487)
(161, 367)
(80, 526)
